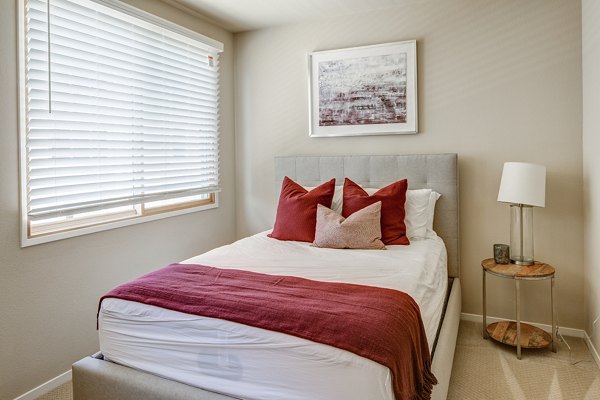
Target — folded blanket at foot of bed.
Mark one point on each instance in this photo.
(383, 325)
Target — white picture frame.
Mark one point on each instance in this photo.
(368, 90)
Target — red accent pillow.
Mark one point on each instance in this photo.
(392, 197)
(297, 210)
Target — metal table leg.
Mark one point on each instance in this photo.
(518, 294)
(485, 334)
(553, 306)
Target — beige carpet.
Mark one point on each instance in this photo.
(486, 370)
(63, 392)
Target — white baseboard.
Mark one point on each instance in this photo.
(46, 387)
(580, 333)
(592, 348)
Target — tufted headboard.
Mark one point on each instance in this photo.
(434, 171)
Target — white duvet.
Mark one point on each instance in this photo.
(254, 363)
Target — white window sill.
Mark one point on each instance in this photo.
(51, 237)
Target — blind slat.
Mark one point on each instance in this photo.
(72, 84)
(67, 53)
(135, 110)
(74, 175)
(107, 77)
(141, 181)
(50, 163)
(83, 112)
(189, 64)
(119, 135)
(108, 194)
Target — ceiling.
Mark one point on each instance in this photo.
(245, 15)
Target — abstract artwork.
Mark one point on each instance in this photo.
(367, 90)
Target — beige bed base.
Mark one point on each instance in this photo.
(97, 379)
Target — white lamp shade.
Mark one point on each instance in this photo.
(523, 183)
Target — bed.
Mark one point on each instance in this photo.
(296, 376)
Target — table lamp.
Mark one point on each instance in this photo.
(523, 185)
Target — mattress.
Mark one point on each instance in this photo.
(253, 363)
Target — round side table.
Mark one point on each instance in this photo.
(516, 333)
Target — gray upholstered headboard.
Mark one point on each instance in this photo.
(435, 171)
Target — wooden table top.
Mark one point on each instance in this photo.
(537, 270)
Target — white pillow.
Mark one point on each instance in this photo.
(433, 198)
(338, 198)
(416, 210)
(419, 209)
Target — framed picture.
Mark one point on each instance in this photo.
(370, 90)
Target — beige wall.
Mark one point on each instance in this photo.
(591, 164)
(498, 81)
(49, 292)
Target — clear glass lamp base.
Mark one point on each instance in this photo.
(521, 234)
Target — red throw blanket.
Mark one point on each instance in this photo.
(383, 325)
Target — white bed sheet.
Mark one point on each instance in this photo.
(253, 363)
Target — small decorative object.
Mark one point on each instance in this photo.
(501, 255)
(523, 185)
(370, 90)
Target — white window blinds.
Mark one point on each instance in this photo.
(119, 110)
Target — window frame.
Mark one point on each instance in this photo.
(94, 224)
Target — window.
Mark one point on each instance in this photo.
(119, 118)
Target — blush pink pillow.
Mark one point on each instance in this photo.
(297, 210)
(392, 197)
(361, 230)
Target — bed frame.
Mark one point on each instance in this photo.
(97, 379)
